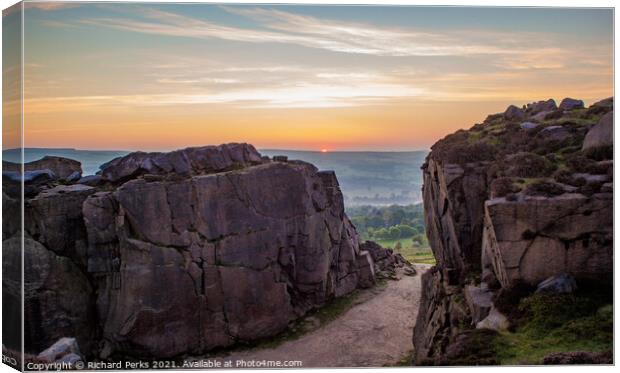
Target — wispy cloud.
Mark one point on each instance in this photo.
(40, 5)
(50, 5)
(497, 65)
(196, 81)
(308, 31)
(302, 95)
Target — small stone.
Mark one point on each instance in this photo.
(479, 302)
(562, 283)
(558, 133)
(494, 321)
(590, 179)
(366, 269)
(542, 106)
(541, 116)
(514, 113)
(62, 347)
(90, 180)
(571, 104)
(529, 125)
(75, 176)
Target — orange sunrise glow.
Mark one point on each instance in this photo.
(293, 77)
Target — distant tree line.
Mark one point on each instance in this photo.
(384, 223)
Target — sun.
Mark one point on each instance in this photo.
(323, 150)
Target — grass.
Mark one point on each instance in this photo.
(421, 255)
(336, 307)
(557, 323)
(405, 361)
(542, 324)
(523, 182)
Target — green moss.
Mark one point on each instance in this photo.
(543, 324)
(544, 188)
(525, 181)
(525, 164)
(474, 136)
(493, 141)
(405, 361)
(557, 323)
(475, 347)
(570, 121)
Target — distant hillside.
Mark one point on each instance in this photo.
(366, 178)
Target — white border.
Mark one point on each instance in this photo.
(483, 3)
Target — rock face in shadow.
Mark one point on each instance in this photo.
(182, 252)
(507, 204)
(58, 298)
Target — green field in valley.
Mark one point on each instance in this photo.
(422, 255)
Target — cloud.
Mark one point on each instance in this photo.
(195, 81)
(42, 6)
(49, 5)
(306, 95)
(307, 31)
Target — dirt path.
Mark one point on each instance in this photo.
(375, 332)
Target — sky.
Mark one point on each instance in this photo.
(167, 76)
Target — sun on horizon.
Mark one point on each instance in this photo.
(166, 76)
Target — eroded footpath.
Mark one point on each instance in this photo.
(375, 331)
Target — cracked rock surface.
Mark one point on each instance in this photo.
(169, 254)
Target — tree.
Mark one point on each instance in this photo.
(406, 231)
(398, 247)
(394, 233)
(419, 240)
(375, 221)
(382, 234)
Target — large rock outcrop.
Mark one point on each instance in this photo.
(509, 204)
(62, 168)
(182, 252)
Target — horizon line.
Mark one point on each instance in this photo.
(258, 149)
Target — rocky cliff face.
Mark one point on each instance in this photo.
(514, 200)
(165, 254)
